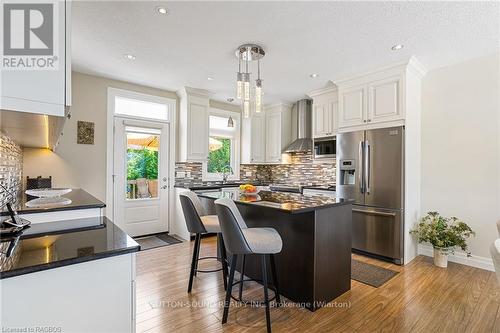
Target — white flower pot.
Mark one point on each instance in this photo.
(440, 257)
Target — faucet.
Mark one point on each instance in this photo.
(225, 174)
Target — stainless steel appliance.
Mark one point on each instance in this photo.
(371, 172)
(325, 147)
(302, 112)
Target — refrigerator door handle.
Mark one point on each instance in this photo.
(367, 166)
(361, 173)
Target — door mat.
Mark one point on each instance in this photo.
(154, 241)
(370, 274)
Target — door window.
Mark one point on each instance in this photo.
(142, 163)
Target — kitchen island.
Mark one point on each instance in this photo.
(314, 266)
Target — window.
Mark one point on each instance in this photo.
(136, 107)
(223, 149)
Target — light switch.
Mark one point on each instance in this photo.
(188, 174)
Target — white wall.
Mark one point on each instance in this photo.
(461, 146)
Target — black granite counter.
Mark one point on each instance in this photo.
(214, 185)
(331, 188)
(80, 199)
(288, 202)
(54, 244)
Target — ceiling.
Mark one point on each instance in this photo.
(197, 40)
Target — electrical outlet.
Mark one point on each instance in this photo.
(188, 174)
(180, 174)
(248, 173)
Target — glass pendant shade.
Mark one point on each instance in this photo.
(246, 109)
(239, 85)
(258, 96)
(246, 87)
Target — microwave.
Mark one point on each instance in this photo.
(325, 147)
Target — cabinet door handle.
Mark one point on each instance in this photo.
(364, 121)
(369, 120)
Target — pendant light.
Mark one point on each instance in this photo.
(248, 53)
(239, 81)
(230, 122)
(258, 90)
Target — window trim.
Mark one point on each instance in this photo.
(235, 147)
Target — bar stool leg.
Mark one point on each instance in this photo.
(197, 255)
(229, 288)
(266, 296)
(242, 275)
(223, 255)
(194, 261)
(275, 280)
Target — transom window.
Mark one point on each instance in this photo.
(140, 109)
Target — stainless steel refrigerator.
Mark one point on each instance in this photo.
(370, 170)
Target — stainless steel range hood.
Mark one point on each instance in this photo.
(304, 121)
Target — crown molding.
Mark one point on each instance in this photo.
(329, 89)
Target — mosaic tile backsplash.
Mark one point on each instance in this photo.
(301, 170)
(11, 167)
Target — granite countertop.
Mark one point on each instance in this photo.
(321, 187)
(212, 185)
(80, 199)
(289, 202)
(49, 245)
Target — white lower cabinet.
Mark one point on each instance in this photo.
(93, 296)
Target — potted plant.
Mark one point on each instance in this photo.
(445, 234)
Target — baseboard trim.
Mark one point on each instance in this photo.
(461, 258)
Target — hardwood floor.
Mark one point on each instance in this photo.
(421, 298)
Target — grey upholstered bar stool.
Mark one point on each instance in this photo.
(199, 223)
(241, 240)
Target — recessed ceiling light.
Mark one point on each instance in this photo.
(161, 10)
(130, 56)
(314, 75)
(210, 78)
(397, 47)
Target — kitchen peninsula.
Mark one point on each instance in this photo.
(68, 276)
(314, 266)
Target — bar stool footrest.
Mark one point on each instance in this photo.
(213, 270)
(246, 302)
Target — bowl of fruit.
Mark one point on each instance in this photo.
(249, 189)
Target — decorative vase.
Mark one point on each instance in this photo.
(441, 257)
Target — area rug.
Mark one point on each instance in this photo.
(370, 274)
(154, 241)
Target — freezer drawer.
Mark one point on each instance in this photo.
(378, 231)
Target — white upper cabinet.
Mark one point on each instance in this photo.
(193, 125)
(352, 106)
(273, 137)
(255, 139)
(384, 103)
(378, 98)
(46, 90)
(265, 135)
(325, 112)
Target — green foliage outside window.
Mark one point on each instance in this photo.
(142, 163)
(220, 158)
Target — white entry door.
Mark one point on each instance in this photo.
(141, 169)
